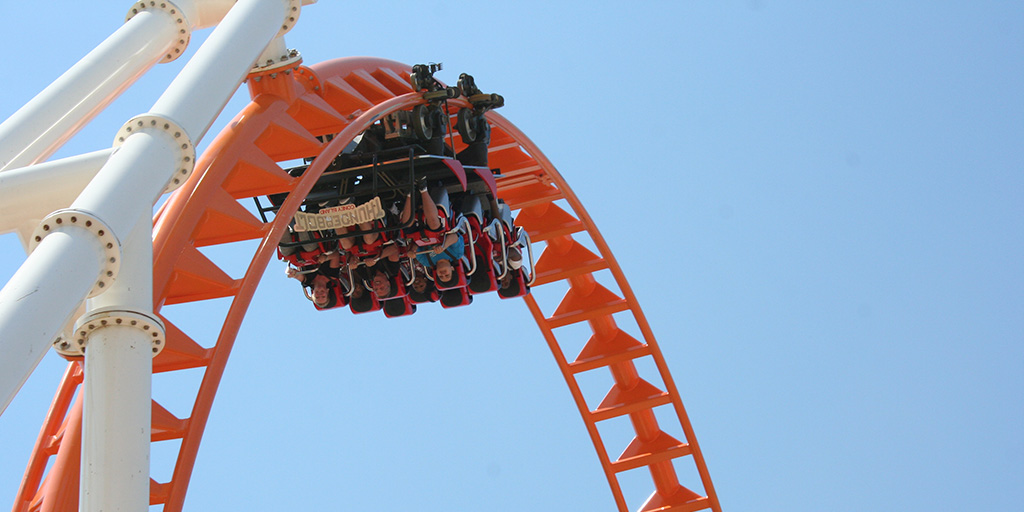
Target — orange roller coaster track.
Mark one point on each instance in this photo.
(288, 115)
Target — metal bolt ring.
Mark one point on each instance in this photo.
(186, 150)
(88, 221)
(184, 28)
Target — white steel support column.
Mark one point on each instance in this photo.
(120, 335)
(154, 149)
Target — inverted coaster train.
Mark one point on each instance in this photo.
(96, 209)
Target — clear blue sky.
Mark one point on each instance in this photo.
(819, 205)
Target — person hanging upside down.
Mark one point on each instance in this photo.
(321, 280)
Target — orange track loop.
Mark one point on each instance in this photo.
(343, 97)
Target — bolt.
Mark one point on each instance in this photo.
(74, 219)
(100, 232)
(60, 221)
(46, 227)
(110, 245)
(101, 284)
(88, 223)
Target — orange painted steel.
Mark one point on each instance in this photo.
(288, 113)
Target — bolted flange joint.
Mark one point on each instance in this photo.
(289, 60)
(74, 346)
(186, 150)
(74, 217)
(184, 28)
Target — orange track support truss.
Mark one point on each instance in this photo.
(288, 113)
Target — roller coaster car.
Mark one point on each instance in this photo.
(301, 249)
(336, 290)
(482, 279)
(514, 269)
(396, 307)
(335, 293)
(361, 300)
(383, 166)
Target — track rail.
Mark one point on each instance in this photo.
(343, 97)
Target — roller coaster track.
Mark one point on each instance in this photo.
(344, 96)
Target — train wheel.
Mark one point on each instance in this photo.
(422, 122)
(465, 125)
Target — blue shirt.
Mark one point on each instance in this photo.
(452, 253)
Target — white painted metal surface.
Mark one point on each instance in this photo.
(95, 238)
(198, 94)
(118, 384)
(28, 194)
(131, 181)
(38, 301)
(40, 127)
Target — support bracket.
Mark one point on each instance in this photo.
(111, 317)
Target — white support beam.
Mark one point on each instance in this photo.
(48, 120)
(28, 194)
